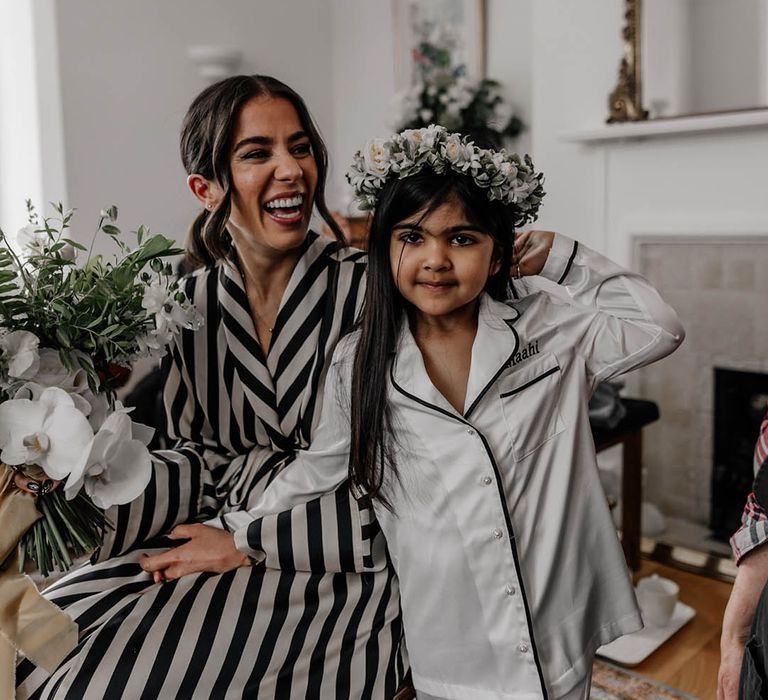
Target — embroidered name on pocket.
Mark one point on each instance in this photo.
(530, 399)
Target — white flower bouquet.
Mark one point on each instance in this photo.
(69, 334)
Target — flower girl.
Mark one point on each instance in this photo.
(464, 418)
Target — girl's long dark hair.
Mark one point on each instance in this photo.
(372, 442)
(206, 148)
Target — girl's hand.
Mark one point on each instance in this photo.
(531, 251)
(208, 549)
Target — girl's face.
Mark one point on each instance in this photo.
(441, 263)
(274, 176)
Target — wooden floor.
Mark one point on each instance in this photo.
(690, 659)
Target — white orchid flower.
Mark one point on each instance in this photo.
(115, 467)
(20, 348)
(155, 297)
(52, 372)
(31, 239)
(50, 432)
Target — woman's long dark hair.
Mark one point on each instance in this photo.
(372, 442)
(206, 149)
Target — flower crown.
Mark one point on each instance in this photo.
(506, 176)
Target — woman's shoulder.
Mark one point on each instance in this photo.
(344, 254)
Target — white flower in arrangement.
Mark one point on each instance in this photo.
(20, 354)
(501, 116)
(444, 91)
(52, 372)
(31, 239)
(115, 466)
(170, 315)
(504, 175)
(155, 296)
(426, 114)
(49, 432)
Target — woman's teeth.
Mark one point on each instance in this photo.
(286, 203)
(287, 208)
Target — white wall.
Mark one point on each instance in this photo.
(363, 85)
(575, 60)
(127, 83)
(30, 112)
(605, 194)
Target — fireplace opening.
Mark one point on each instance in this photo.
(740, 400)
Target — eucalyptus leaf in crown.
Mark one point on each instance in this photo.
(506, 176)
(69, 334)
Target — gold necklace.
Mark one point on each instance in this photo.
(253, 303)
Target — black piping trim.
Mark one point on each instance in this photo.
(533, 381)
(507, 517)
(516, 558)
(501, 369)
(570, 262)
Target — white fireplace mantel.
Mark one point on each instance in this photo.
(654, 128)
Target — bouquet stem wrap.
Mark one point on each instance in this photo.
(28, 622)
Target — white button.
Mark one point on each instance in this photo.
(470, 431)
(497, 533)
(522, 648)
(510, 589)
(487, 480)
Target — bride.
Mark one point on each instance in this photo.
(320, 616)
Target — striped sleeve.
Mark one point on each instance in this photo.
(294, 540)
(178, 490)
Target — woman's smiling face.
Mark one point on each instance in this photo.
(274, 176)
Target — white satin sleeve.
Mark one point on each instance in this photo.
(620, 321)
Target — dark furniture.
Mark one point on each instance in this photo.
(629, 434)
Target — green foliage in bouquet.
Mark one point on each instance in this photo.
(96, 308)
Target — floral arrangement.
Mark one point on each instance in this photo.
(506, 176)
(443, 94)
(69, 334)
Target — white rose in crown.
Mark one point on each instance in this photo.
(376, 157)
(458, 153)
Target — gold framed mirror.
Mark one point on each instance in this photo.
(691, 57)
(626, 100)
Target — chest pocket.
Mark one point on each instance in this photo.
(530, 400)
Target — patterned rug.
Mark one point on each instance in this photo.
(611, 682)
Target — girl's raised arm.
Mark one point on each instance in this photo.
(619, 321)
